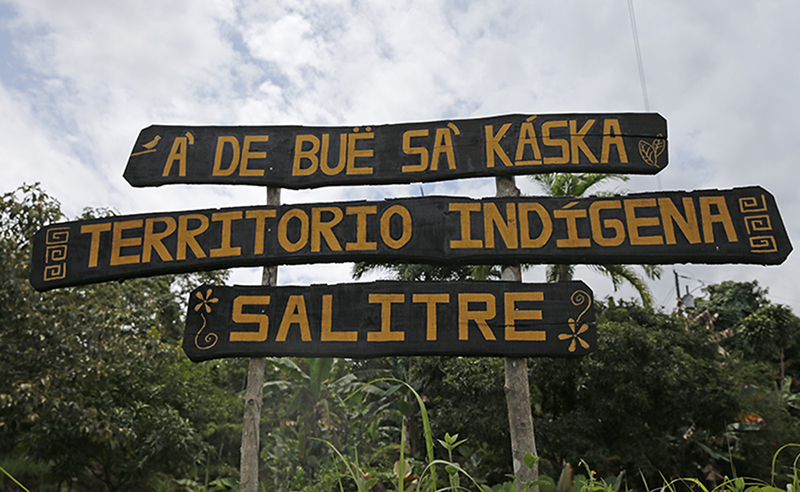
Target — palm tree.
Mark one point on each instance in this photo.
(415, 272)
(579, 185)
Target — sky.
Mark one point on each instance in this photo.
(80, 78)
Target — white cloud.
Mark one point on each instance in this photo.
(88, 75)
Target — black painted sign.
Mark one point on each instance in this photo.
(741, 225)
(308, 157)
(509, 319)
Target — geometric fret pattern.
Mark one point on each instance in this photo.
(56, 253)
(758, 224)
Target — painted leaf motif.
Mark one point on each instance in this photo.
(650, 152)
(647, 152)
(658, 146)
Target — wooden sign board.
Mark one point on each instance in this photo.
(308, 157)
(508, 319)
(741, 225)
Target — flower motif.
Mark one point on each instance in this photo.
(575, 335)
(205, 300)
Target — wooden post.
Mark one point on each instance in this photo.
(248, 469)
(517, 389)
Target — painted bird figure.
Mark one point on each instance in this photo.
(152, 143)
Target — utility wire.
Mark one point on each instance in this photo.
(638, 56)
(643, 83)
(639, 63)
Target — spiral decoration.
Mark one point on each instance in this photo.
(210, 339)
(578, 298)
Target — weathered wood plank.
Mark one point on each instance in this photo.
(308, 157)
(741, 225)
(380, 319)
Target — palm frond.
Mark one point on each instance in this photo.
(560, 273)
(625, 273)
(568, 184)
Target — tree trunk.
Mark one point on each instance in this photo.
(518, 399)
(248, 472)
(248, 468)
(517, 389)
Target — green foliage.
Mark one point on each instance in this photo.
(96, 390)
(767, 330)
(738, 484)
(465, 396)
(94, 382)
(762, 340)
(571, 184)
(768, 335)
(580, 185)
(732, 301)
(427, 479)
(415, 272)
(311, 402)
(11, 477)
(629, 403)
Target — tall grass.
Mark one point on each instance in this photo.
(13, 479)
(427, 479)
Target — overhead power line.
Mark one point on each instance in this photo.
(638, 56)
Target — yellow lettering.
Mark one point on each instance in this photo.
(328, 335)
(634, 222)
(221, 142)
(353, 153)
(225, 248)
(409, 150)
(507, 229)
(386, 334)
(576, 141)
(598, 226)
(332, 171)
(118, 242)
(572, 216)
(479, 317)
(177, 153)
(153, 240)
(443, 144)
(310, 154)
(248, 154)
(513, 314)
(527, 136)
(722, 216)
(688, 225)
(431, 300)
(524, 226)
(612, 135)
(361, 243)
(260, 216)
(386, 219)
(466, 240)
(240, 317)
(321, 229)
(94, 249)
(493, 145)
(186, 236)
(283, 227)
(295, 313)
(555, 142)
